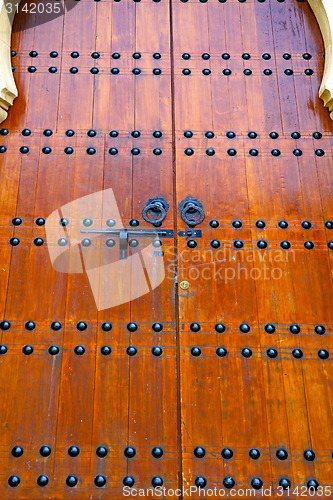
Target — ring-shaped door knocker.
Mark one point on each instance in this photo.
(155, 210)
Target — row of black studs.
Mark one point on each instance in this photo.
(72, 481)
(238, 244)
(157, 71)
(157, 481)
(81, 326)
(222, 352)
(157, 55)
(74, 451)
(236, 224)
(158, 151)
(272, 353)
(79, 350)
(257, 483)
(254, 453)
(26, 132)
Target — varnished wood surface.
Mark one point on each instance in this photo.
(176, 401)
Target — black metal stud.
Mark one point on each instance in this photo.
(196, 351)
(100, 481)
(306, 224)
(309, 245)
(157, 481)
(329, 224)
(4, 131)
(281, 454)
(73, 451)
(276, 152)
(75, 54)
(199, 452)
(267, 72)
(297, 353)
(195, 327)
(285, 245)
(260, 224)
(46, 150)
(131, 351)
(247, 72)
(157, 452)
(106, 326)
(192, 244)
(294, 329)
(237, 224)
(129, 481)
(285, 483)
(14, 242)
(157, 351)
(81, 326)
(323, 354)
(312, 485)
(101, 451)
(274, 135)
(157, 134)
(42, 480)
(320, 329)
(106, 350)
(252, 135)
(17, 451)
(157, 55)
(220, 327)
(309, 455)
(24, 150)
(70, 132)
(221, 352)
(186, 71)
(200, 481)
(3, 349)
(45, 451)
(53, 350)
(227, 453)
(54, 54)
(5, 325)
(256, 483)
(132, 327)
(79, 350)
(266, 56)
(214, 224)
(69, 151)
(129, 452)
(71, 481)
(210, 152)
(38, 242)
(30, 325)
(269, 328)
(244, 327)
(262, 244)
(254, 453)
(238, 244)
(320, 152)
(317, 135)
(17, 221)
(297, 152)
(229, 482)
(272, 353)
(215, 244)
(246, 352)
(27, 350)
(14, 481)
(74, 70)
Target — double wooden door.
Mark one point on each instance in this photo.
(221, 376)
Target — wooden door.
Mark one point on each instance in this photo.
(220, 377)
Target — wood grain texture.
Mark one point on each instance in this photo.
(176, 401)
